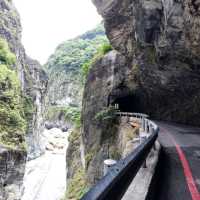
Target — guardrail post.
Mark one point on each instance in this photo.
(108, 164)
(143, 123)
(127, 118)
(145, 164)
(155, 145)
(150, 129)
(146, 126)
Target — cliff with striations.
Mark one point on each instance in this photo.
(22, 90)
(153, 69)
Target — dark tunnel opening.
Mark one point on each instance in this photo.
(130, 103)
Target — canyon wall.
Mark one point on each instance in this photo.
(67, 68)
(153, 69)
(30, 100)
(66, 78)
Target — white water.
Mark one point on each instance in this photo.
(45, 177)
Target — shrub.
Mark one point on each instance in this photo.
(89, 157)
(71, 114)
(6, 56)
(101, 51)
(105, 48)
(85, 69)
(75, 136)
(106, 114)
(77, 186)
(28, 107)
(115, 154)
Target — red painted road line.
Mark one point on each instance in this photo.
(187, 171)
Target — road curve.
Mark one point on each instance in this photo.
(179, 170)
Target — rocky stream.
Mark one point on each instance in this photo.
(45, 176)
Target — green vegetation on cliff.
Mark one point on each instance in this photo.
(107, 114)
(12, 116)
(77, 184)
(71, 55)
(101, 51)
(6, 57)
(66, 77)
(71, 114)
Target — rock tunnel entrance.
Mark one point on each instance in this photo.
(128, 103)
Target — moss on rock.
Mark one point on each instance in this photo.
(77, 182)
(77, 186)
(101, 51)
(13, 124)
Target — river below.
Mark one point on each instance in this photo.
(45, 177)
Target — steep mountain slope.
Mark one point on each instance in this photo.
(153, 69)
(67, 77)
(64, 67)
(22, 90)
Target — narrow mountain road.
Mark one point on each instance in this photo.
(179, 171)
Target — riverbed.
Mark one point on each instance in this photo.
(45, 176)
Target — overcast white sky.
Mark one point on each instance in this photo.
(47, 23)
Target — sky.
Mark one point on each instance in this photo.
(47, 23)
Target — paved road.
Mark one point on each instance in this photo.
(179, 172)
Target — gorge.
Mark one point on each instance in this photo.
(58, 122)
(32, 143)
(23, 87)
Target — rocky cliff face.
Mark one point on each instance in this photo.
(36, 88)
(160, 40)
(12, 165)
(33, 87)
(66, 78)
(64, 67)
(154, 68)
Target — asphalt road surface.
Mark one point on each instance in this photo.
(179, 171)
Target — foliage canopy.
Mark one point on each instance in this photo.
(72, 54)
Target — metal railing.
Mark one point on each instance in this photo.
(116, 182)
(128, 114)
